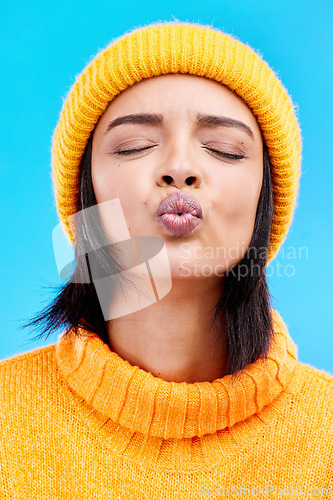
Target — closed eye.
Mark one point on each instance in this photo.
(131, 151)
(230, 156)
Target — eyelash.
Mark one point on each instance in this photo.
(220, 153)
(227, 155)
(130, 151)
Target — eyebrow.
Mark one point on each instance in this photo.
(203, 120)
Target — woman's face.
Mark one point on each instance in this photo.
(206, 142)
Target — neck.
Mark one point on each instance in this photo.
(174, 338)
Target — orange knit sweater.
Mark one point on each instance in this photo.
(79, 422)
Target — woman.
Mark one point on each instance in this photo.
(176, 160)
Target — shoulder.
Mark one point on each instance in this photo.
(311, 378)
(312, 391)
(29, 357)
(25, 374)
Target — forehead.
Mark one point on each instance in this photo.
(178, 96)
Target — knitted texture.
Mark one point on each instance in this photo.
(190, 49)
(79, 422)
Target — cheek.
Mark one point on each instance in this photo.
(236, 216)
(236, 208)
(106, 181)
(112, 181)
(239, 198)
(242, 204)
(115, 182)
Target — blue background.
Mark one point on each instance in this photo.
(46, 44)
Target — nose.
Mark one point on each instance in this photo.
(179, 170)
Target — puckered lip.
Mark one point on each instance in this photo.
(180, 202)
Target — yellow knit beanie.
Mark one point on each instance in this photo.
(177, 47)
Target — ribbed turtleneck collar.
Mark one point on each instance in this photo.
(141, 402)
